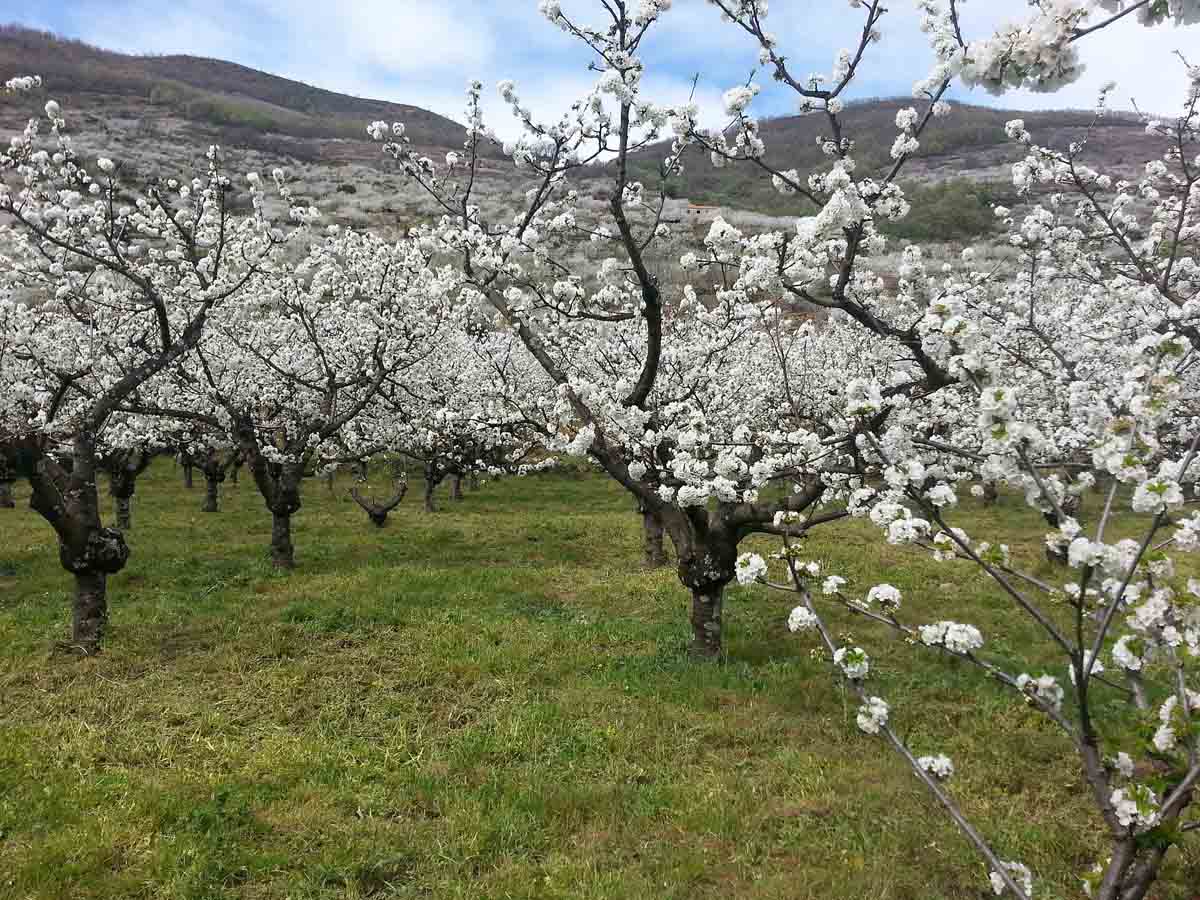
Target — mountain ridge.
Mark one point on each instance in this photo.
(968, 143)
(226, 95)
(158, 114)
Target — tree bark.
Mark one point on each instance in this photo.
(279, 485)
(473, 483)
(212, 490)
(90, 613)
(283, 554)
(990, 493)
(706, 622)
(65, 496)
(124, 517)
(652, 531)
(456, 491)
(8, 476)
(707, 553)
(187, 474)
(124, 467)
(432, 479)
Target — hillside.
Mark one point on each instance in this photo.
(231, 98)
(157, 114)
(963, 164)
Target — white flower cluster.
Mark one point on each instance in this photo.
(1174, 720)
(853, 661)
(954, 636)
(939, 766)
(1136, 807)
(23, 83)
(750, 567)
(1018, 872)
(885, 596)
(801, 619)
(872, 715)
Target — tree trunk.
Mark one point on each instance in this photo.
(456, 492)
(652, 531)
(473, 483)
(90, 613)
(283, 554)
(187, 475)
(330, 478)
(707, 554)
(233, 475)
(212, 488)
(990, 493)
(706, 622)
(66, 497)
(430, 485)
(279, 485)
(124, 467)
(8, 478)
(124, 518)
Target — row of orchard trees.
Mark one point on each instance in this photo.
(133, 310)
(141, 317)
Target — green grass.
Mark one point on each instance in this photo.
(492, 702)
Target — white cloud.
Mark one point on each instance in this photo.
(402, 38)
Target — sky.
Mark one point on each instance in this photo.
(423, 52)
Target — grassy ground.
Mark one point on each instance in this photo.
(491, 702)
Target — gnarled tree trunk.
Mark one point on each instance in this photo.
(213, 465)
(89, 616)
(706, 621)
(654, 553)
(188, 481)
(707, 555)
(124, 516)
(8, 477)
(377, 510)
(283, 502)
(124, 467)
(432, 479)
(283, 553)
(212, 493)
(279, 484)
(456, 491)
(67, 498)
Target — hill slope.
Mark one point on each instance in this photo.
(968, 144)
(159, 114)
(234, 100)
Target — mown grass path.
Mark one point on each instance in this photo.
(492, 702)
